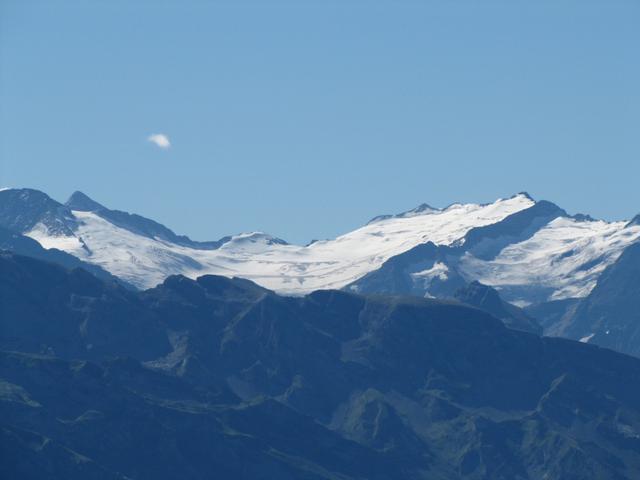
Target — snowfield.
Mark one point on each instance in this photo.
(561, 259)
(289, 269)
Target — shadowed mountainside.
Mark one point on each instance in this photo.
(610, 315)
(220, 377)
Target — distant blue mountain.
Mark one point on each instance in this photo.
(528, 262)
(221, 378)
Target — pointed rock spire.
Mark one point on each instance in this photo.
(80, 201)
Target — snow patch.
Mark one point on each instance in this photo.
(41, 234)
(439, 270)
(587, 338)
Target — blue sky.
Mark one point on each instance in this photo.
(305, 119)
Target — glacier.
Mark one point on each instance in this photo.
(284, 268)
(530, 251)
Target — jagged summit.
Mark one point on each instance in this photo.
(426, 209)
(83, 203)
(525, 195)
(423, 208)
(255, 238)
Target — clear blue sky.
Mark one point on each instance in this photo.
(304, 119)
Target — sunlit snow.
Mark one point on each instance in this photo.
(561, 260)
(291, 269)
(587, 338)
(564, 258)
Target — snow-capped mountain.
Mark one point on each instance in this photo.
(536, 255)
(531, 252)
(128, 247)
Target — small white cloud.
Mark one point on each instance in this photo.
(160, 140)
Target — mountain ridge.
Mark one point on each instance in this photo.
(144, 252)
(220, 377)
(532, 253)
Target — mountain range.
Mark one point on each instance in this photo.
(423, 345)
(222, 378)
(543, 265)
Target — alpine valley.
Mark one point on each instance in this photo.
(423, 345)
